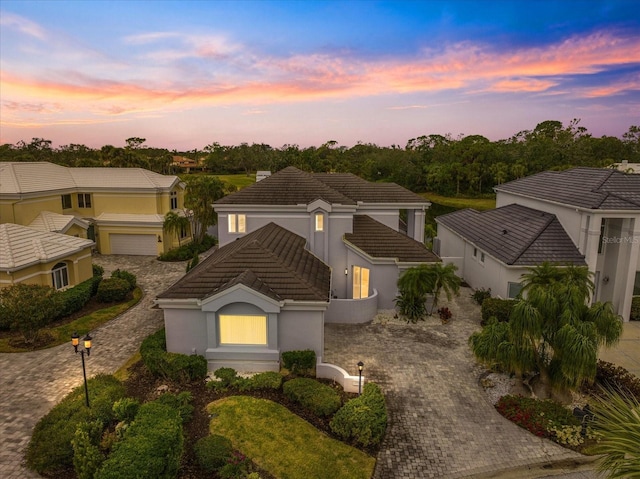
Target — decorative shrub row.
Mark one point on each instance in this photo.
(299, 362)
(362, 420)
(228, 378)
(50, 447)
(74, 299)
(316, 397)
(174, 366)
(635, 309)
(498, 308)
(186, 252)
(538, 417)
(152, 446)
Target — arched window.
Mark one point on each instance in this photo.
(60, 276)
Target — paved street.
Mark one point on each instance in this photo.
(440, 421)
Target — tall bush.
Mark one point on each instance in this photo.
(178, 367)
(299, 361)
(362, 420)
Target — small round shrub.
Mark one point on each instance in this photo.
(112, 290)
(213, 452)
(128, 277)
(266, 380)
(316, 397)
(363, 419)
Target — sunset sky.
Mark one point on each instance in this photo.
(186, 74)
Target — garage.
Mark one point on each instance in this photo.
(134, 244)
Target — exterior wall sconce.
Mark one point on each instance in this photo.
(605, 280)
(159, 239)
(346, 271)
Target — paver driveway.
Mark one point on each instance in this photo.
(440, 421)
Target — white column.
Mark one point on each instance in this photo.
(627, 272)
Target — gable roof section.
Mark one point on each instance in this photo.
(33, 177)
(292, 186)
(515, 235)
(271, 260)
(380, 241)
(592, 188)
(55, 222)
(21, 246)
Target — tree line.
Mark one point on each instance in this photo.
(466, 165)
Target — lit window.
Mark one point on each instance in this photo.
(319, 222)
(243, 329)
(66, 202)
(84, 200)
(237, 223)
(174, 200)
(60, 276)
(360, 282)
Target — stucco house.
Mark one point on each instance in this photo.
(296, 250)
(32, 256)
(120, 209)
(581, 216)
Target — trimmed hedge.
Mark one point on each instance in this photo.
(178, 367)
(213, 452)
(128, 277)
(317, 397)
(74, 299)
(266, 380)
(151, 448)
(362, 420)
(498, 308)
(299, 362)
(51, 447)
(112, 290)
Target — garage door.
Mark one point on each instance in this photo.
(134, 244)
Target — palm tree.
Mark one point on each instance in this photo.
(175, 223)
(418, 282)
(552, 332)
(617, 420)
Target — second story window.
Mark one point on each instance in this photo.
(237, 223)
(84, 200)
(319, 222)
(66, 202)
(174, 200)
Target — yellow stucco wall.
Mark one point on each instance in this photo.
(25, 211)
(78, 266)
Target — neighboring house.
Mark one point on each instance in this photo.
(121, 209)
(296, 250)
(627, 167)
(51, 259)
(597, 209)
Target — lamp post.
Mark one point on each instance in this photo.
(360, 368)
(75, 340)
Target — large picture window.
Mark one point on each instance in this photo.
(249, 330)
(60, 276)
(360, 282)
(237, 223)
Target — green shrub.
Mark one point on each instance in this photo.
(178, 367)
(498, 308)
(180, 402)
(87, 457)
(227, 376)
(362, 420)
(299, 362)
(617, 378)
(151, 447)
(128, 277)
(112, 290)
(540, 417)
(50, 448)
(213, 452)
(479, 295)
(635, 309)
(316, 397)
(193, 263)
(186, 252)
(126, 409)
(266, 380)
(97, 270)
(74, 299)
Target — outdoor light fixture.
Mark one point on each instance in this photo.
(159, 239)
(360, 368)
(86, 342)
(346, 271)
(605, 280)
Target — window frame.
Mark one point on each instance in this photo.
(319, 217)
(357, 282)
(173, 200)
(84, 200)
(60, 276)
(237, 223)
(66, 201)
(482, 257)
(475, 252)
(514, 284)
(222, 325)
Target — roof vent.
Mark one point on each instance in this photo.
(504, 232)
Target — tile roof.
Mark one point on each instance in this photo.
(21, 246)
(33, 177)
(593, 188)
(154, 220)
(515, 234)
(380, 241)
(271, 260)
(292, 186)
(55, 222)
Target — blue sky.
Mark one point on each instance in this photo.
(186, 74)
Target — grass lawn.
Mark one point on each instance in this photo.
(283, 444)
(82, 325)
(459, 202)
